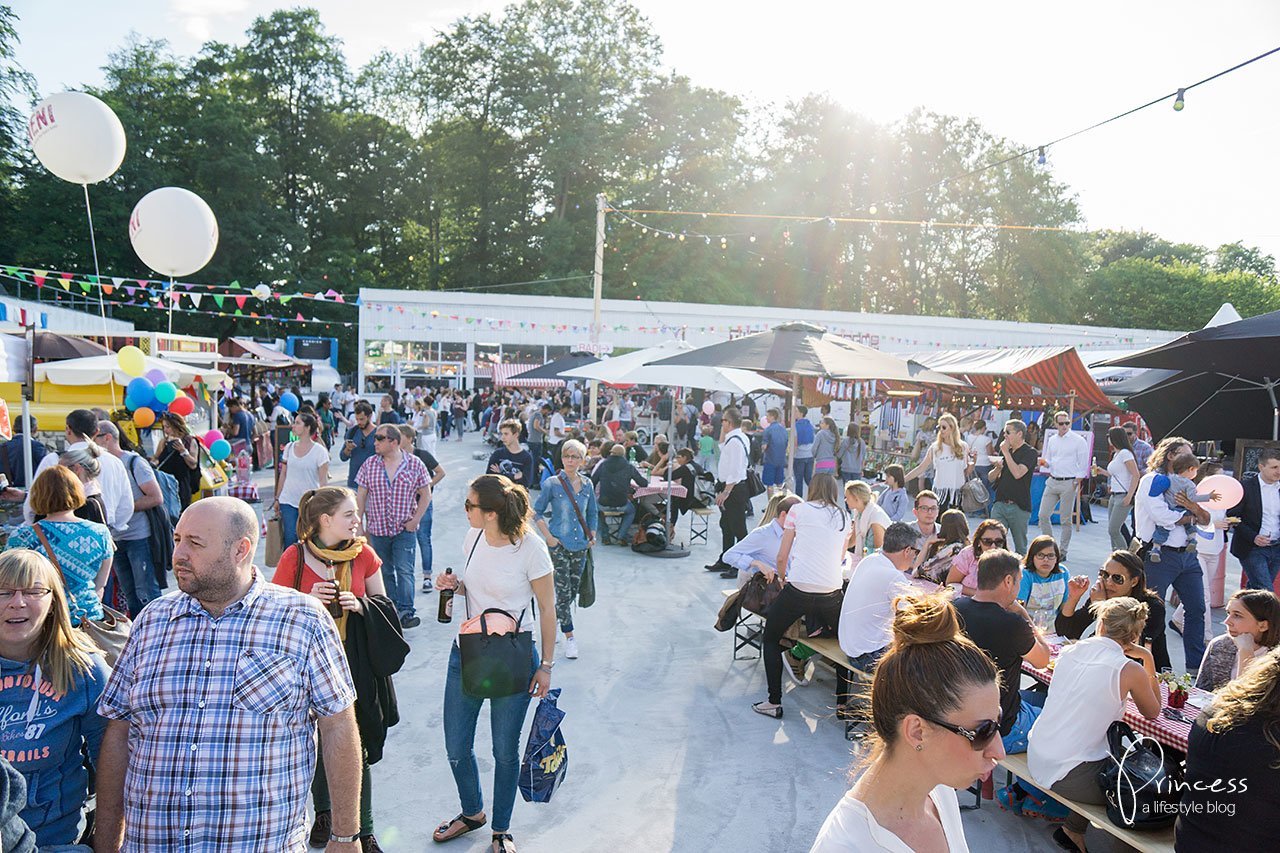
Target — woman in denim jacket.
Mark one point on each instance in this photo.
(564, 534)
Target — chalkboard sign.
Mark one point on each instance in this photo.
(1247, 451)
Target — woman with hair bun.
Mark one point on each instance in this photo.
(341, 570)
(935, 708)
(506, 566)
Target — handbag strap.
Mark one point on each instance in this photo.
(466, 599)
(53, 558)
(573, 499)
(297, 574)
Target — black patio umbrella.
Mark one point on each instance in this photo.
(1241, 355)
(51, 346)
(552, 369)
(803, 349)
(1199, 406)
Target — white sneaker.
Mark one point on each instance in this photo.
(570, 648)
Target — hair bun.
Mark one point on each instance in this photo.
(920, 619)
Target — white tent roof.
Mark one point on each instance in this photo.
(631, 369)
(101, 369)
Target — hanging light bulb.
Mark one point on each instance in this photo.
(708, 239)
(1178, 102)
(752, 238)
(1041, 159)
(681, 236)
(872, 210)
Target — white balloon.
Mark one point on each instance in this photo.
(77, 137)
(173, 231)
(262, 291)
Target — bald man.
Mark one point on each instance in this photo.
(214, 705)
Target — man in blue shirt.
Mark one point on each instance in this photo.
(358, 446)
(775, 452)
(760, 549)
(803, 463)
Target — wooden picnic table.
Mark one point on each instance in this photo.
(1169, 732)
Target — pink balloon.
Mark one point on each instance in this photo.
(211, 436)
(708, 407)
(1230, 491)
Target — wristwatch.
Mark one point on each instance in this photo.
(344, 839)
(548, 665)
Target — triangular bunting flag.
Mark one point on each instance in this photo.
(195, 298)
(235, 285)
(299, 317)
(240, 300)
(218, 297)
(337, 297)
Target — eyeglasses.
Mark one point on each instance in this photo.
(1046, 555)
(978, 737)
(993, 543)
(927, 507)
(1110, 576)
(6, 595)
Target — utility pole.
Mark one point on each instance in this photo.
(597, 286)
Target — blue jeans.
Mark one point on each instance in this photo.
(628, 516)
(1261, 565)
(1181, 570)
(396, 553)
(288, 525)
(1016, 740)
(803, 470)
(424, 543)
(506, 721)
(136, 573)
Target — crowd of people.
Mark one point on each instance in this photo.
(238, 685)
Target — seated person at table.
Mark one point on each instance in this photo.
(759, 550)
(866, 613)
(1043, 587)
(1122, 575)
(658, 457)
(1253, 630)
(631, 444)
(1184, 468)
(595, 453)
(613, 481)
(685, 475)
(1235, 738)
(895, 501)
(997, 623)
(988, 536)
(1091, 681)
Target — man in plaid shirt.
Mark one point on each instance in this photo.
(393, 495)
(214, 706)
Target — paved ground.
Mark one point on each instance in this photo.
(665, 752)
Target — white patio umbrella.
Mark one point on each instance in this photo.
(101, 369)
(615, 370)
(734, 380)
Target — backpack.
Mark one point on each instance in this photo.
(169, 490)
(161, 523)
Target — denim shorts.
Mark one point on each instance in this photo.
(774, 475)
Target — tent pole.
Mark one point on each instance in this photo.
(597, 286)
(1275, 409)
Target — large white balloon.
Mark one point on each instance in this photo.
(77, 137)
(173, 231)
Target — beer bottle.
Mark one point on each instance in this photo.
(446, 602)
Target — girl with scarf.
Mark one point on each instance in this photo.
(340, 569)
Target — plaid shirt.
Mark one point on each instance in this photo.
(391, 500)
(222, 719)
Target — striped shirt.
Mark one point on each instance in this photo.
(391, 501)
(222, 718)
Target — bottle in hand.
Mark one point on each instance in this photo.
(446, 602)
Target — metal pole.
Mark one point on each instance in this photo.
(597, 287)
(1275, 409)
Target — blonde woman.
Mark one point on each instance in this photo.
(869, 519)
(948, 456)
(569, 532)
(52, 677)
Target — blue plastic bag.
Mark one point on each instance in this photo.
(546, 756)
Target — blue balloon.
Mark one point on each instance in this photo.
(289, 400)
(157, 407)
(141, 391)
(220, 449)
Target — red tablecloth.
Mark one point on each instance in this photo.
(1168, 732)
(245, 491)
(659, 487)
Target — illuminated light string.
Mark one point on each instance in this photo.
(626, 214)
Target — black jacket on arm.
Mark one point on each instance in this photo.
(376, 650)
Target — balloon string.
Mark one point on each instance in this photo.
(171, 305)
(102, 305)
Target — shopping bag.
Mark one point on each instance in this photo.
(275, 541)
(587, 586)
(546, 756)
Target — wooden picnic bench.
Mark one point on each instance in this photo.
(1156, 841)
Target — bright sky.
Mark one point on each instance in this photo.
(1029, 71)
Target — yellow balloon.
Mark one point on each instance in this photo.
(132, 361)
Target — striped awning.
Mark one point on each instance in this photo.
(1043, 374)
(502, 374)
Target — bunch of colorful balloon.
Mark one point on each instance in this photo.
(217, 445)
(150, 394)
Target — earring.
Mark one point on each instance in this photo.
(919, 747)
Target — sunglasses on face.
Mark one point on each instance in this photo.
(381, 437)
(978, 737)
(992, 543)
(1114, 578)
(1063, 423)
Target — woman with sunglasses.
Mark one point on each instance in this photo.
(948, 456)
(1122, 575)
(935, 708)
(1091, 682)
(990, 535)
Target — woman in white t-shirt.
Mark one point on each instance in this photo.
(936, 708)
(948, 456)
(869, 521)
(811, 567)
(424, 423)
(506, 566)
(1122, 480)
(304, 465)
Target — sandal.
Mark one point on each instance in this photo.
(442, 833)
(503, 843)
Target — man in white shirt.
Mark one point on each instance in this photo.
(731, 476)
(926, 512)
(117, 488)
(1066, 455)
(1178, 566)
(557, 432)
